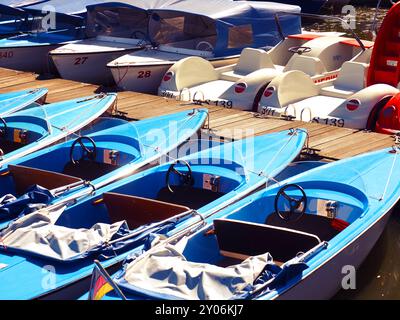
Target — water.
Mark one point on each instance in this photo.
(379, 275)
(364, 20)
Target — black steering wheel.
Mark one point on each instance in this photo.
(137, 34)
(3, 128)
(299, 50)
(297, 207)
(186, 179)
(87, 153)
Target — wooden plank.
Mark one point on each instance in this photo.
(334, 142)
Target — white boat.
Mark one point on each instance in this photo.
(208, 30)
(29, 52)
(113, 29)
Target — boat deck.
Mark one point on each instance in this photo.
(331, 143)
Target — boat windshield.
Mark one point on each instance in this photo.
(23, 127)
(183, 30)
(205, 152)
(117, 22)
(118, 131)
(12, 105)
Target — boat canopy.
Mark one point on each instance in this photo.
(68, 13)
(20, 3)
(124, 19)
(227, 25)
(76, 7)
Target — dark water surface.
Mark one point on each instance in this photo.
(364, 21)
(379, 275)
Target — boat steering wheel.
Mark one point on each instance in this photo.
(299, 50)
(87, 153)
(3, 128)
(208, 46)
(297, 207)
(185, 178)
(137, 34)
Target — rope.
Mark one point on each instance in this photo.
(396, 151)
(262, 173)
(65, 127)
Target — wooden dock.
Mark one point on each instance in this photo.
(332, 143)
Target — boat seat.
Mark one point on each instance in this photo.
(137, 211)
(25, 177)
(88, 170)
(351, 79)
(9, 146)
(310, 223)
(250, 60)
(188, 196)
(309, 65)
(240, 240)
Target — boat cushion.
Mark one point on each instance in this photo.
(188, 196)
(333, 91)
(309, 65)
(241, 239)
(165, 273)
(88, 170)
(319, 225)
(250, 60)
(137, 211)
(25, 177)
(351, 78)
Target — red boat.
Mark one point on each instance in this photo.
(385, 68)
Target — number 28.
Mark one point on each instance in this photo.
(144, 74)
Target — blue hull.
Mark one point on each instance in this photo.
(238, 176)
(357, 209)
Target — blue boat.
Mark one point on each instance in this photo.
(20, 3)
(29, 130)
(105, 152)
(28, 51)
(13, 101)
(30, 16)
(169, 197)
(297, 239)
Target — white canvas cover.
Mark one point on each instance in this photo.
(166, 273)
(37, 234)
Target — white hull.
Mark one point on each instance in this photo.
(326, 281)
(87, 67)
(32, 59)
(144, 79)
(147, 78)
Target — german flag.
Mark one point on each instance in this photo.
(102, 283)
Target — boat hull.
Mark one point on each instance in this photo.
(326, 281)
(87, 67)
(77, 289)
(32, 59)
(147, 78)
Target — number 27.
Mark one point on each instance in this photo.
(81, 60)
